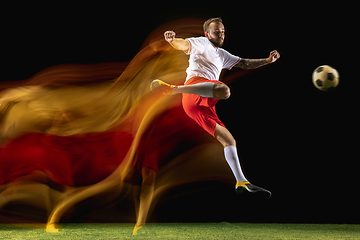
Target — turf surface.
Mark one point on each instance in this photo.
(204, 231)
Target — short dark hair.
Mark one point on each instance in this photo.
(207, 23)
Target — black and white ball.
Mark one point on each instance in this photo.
(325, 78)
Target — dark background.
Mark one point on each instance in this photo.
(295, 140)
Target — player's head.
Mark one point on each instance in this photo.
(215, 31)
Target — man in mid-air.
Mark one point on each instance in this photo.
(202, 89)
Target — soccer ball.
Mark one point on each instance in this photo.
(325, 78)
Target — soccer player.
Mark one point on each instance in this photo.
(202, 89)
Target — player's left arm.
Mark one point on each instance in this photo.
(256, 63)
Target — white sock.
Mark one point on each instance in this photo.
(204, 89)
(232, 159)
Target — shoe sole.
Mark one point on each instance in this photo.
(253, 194)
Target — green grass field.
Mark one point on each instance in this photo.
(165, 231)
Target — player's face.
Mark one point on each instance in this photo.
(216, 34)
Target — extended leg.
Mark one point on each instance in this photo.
(227, 140)
(242, 185)
(204, 89)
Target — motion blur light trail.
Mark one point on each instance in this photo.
(75, 131)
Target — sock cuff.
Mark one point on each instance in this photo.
(230, 148)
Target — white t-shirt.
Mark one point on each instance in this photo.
(206, 60)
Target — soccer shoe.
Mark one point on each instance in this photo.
(164, 87)
(247, 187)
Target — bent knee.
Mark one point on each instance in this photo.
(221, 91)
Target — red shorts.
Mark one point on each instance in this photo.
(201, 109)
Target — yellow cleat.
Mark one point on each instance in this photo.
(241, 185)
(247, 187)
(164, 87)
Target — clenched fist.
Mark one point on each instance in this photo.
(274, 55)
(169, 36)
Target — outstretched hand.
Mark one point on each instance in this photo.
(274, 55)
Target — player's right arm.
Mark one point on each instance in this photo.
(177, 43)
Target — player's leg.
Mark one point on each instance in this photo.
(227, 140)
(146, 195)
(204, 89)
(242, 184)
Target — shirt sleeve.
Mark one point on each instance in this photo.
(230, 60)
(196, 46)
